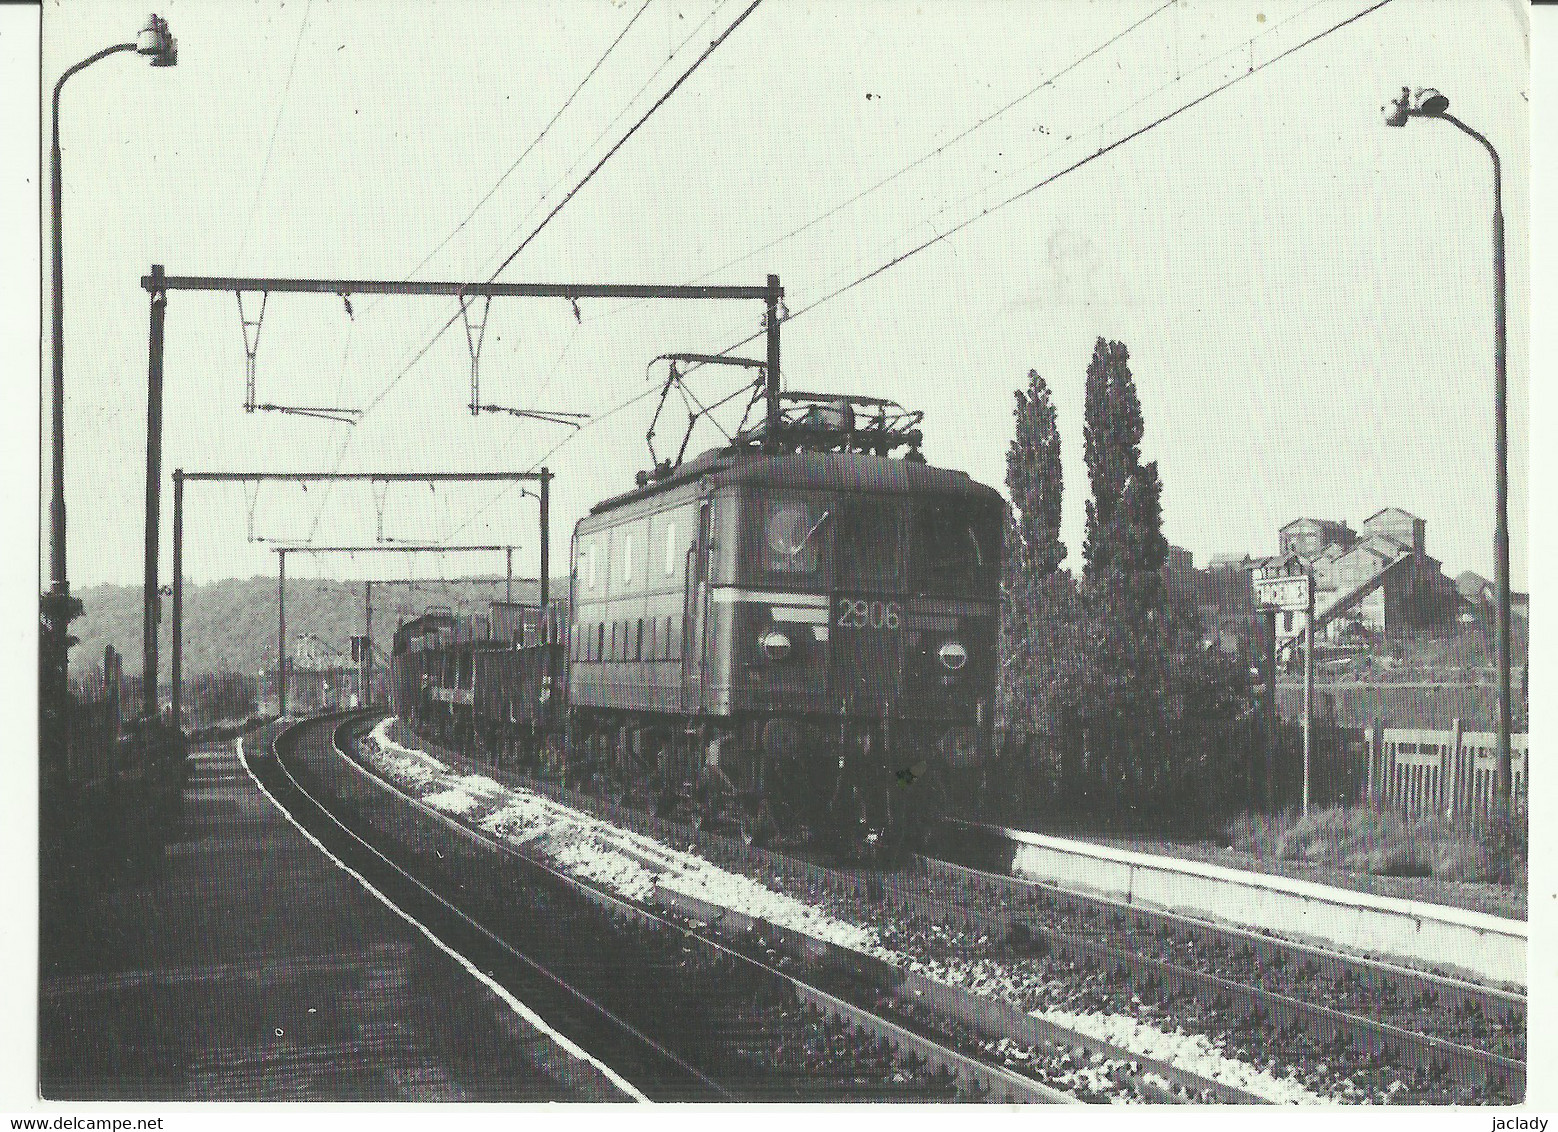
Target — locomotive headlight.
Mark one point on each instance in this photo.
(952, 655)
(775, 645)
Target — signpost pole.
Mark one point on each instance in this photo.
(1271, 709)
(1309, 674)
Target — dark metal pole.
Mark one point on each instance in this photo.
(57, 579)
(1503, 776)
(367, 643)
(1309, 675)
(546, 540)
(508, 575)
(281, 632)
(57, 575)
(178, 597)
(1503, 770)
(1270, 650)
(159, 304)
(771, 429)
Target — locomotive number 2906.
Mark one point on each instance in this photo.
(858, 613)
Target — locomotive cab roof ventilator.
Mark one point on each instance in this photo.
(251, 349)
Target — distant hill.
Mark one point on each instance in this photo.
(230, 625)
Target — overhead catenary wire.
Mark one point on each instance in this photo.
(270, 148)
(1088, 159)
(346, 443)
(929, 155)
(538, 139)
(379, 398)
(661, 101)
(1254, 69)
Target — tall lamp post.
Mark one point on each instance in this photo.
(1429, 103)
(155, 42)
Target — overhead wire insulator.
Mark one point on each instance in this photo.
(251, 344)
(380, 492)
(475, 335)
(251, 490)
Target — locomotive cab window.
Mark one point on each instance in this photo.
(790, 535)
(872, 530)
(954, 548)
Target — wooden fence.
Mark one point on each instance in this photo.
(1449, 772)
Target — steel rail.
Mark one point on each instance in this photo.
(993, 1019)
(1465, 1064)
(364, 846)
(1447, 988)
(991, 1081)
(1149, 974)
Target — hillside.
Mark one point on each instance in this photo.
(230, 625)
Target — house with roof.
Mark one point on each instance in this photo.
(1307, 538)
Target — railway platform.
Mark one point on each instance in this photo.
(246, 965)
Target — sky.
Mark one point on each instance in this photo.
(1306, 294)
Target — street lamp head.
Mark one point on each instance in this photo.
(1425, 102)
(156, 42)
(1430, 103)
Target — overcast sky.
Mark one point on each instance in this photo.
(1306, 294)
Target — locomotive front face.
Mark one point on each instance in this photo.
(869, 605)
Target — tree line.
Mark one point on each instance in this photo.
(1111, 701)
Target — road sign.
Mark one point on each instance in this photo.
(1286, 591)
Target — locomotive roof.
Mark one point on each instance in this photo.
(849, 471)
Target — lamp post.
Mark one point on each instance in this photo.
(1429, 103)
(155, 42)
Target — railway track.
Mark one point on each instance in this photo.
(677, 1012)
(1355, 1028)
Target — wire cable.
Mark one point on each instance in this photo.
(538, 139)
(936, 239)
(659, 102)
(420, 354)
(923, 158)
(1100, 152)
(259, 189)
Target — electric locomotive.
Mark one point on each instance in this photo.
(798, 642)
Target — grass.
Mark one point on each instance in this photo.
(1481, 867)
(1363, 839)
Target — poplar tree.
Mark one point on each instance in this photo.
(1128, 704)
(1040, 657)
